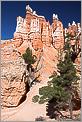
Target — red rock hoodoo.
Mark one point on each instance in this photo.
(44, 39)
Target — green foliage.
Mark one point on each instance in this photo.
(29, 60)
(61, 88)
(35, 98)
(62, 83)
(67, 45)
(28, 57)
(68, 36)
(46, 93)
(67, 70)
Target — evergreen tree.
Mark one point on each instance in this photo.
(29, 60)
(28, 57)
(61, 88)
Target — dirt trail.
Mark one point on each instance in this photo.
(28, 110)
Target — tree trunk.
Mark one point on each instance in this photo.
(71, 107)
(29, 71)
(29, 74)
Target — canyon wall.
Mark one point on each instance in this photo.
(45, 41)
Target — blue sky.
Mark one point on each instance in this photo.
(67, 11)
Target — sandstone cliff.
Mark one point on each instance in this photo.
(44, 40)
(12, 81)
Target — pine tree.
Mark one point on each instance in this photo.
(61, 88)
(29, 60)
(28, 57)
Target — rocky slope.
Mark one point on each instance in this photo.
(12, 80)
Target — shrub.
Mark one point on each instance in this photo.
(28, 57)
(35, 98)
(40, 118)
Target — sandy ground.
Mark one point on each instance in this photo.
(28, 110)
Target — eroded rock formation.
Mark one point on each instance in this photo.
(12, 80)
(45, 40)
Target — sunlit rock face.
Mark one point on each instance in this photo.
(44, 40)
(57, 34)
(12, 81)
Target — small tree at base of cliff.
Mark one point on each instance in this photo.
(29, 60)
(61, 89)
